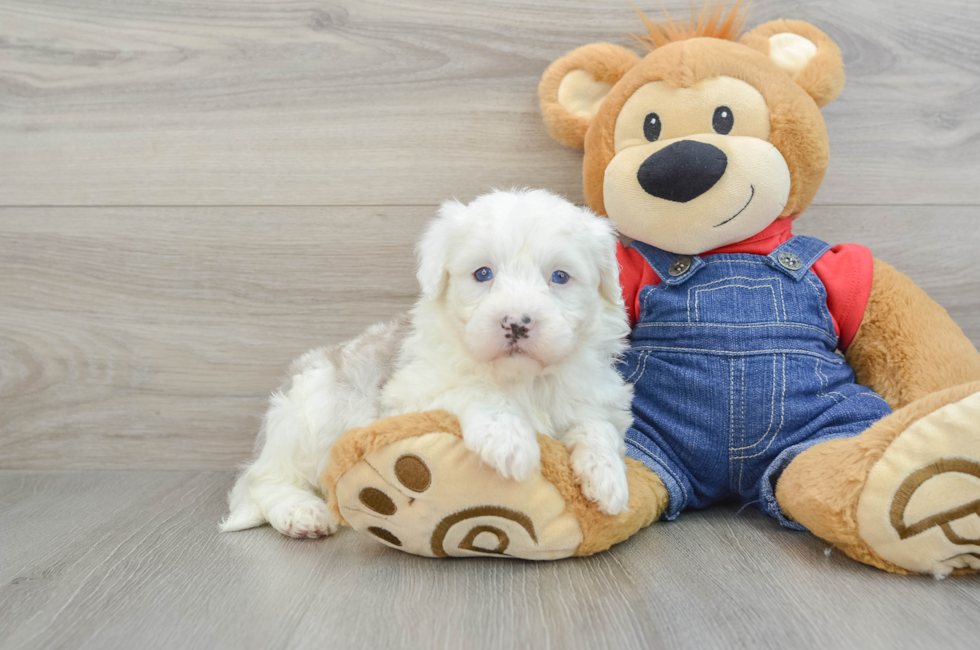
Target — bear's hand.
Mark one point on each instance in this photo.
(410, 482)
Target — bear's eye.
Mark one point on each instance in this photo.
(651, 127)
(723, 120)
(483, 274)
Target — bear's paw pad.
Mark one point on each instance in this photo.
(428, 495)
(920, 507)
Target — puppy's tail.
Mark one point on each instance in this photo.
(244, 512)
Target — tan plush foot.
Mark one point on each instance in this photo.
(411, 483)
(904, 495)
(920, 507)
(429, 495)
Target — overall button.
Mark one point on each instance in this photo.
(680, 265)
(789, 261)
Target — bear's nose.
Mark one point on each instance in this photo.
(682, 171)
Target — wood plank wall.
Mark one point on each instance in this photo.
(192, 193)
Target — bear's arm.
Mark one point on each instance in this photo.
(907, 345)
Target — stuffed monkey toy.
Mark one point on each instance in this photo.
(811, 379)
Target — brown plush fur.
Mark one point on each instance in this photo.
(821, 487)
(712, 22)
(907, 345)
(604, 61)
(823, 77)
(358, 443)
(648, 496)
(648, 499)
(907, 348)
(797, 128)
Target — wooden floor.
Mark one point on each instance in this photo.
(146, 568)
(192, 193)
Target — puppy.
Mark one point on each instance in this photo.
(517, 331)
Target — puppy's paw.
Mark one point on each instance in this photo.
(602, 477)
(310, 518)
(506, 443)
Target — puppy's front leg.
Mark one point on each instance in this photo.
(597, 461)
(504, 439)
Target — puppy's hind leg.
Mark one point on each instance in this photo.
(332, 389)
(280, 485)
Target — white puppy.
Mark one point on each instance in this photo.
(517, 330)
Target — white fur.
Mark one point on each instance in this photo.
(553, 373)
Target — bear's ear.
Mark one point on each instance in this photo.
(805, 53)
(574, 86)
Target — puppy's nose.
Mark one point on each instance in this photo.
(682, 171)
(518, 328)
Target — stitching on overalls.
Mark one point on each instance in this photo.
(831, 339)
(638, 366)
(650, 289)
(782, 298)
(772, 410)
(824, 382)
(807, 353)
(828, 324)
(761, 285)
(697, 287)
(741, 392)
(644, 297)
(782, 414)
(736, 262)
(873, 394)
(731, 414)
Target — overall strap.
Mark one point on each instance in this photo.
(796, 255)
(673, 269)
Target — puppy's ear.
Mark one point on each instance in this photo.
(805, 53)
(573, 88)
(604, 242)
(432, 251)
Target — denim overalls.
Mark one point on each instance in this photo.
(735, 367)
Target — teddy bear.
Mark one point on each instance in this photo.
(809, 379)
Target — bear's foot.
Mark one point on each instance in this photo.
(920, 506)
(410, 482)
(904, 495)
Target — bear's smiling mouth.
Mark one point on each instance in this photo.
(751, 196)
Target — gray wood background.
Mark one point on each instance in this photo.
(192, 193)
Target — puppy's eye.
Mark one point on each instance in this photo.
(723, 120)
(651, 127)
(483, 274)
(559, 277)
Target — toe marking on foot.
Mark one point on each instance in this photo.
(497, 518)
(503, 541)
(385, 535)
(439, 534)
(376, 500)
(412, 472)
(942, 519)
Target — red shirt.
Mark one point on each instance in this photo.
(845, 271)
